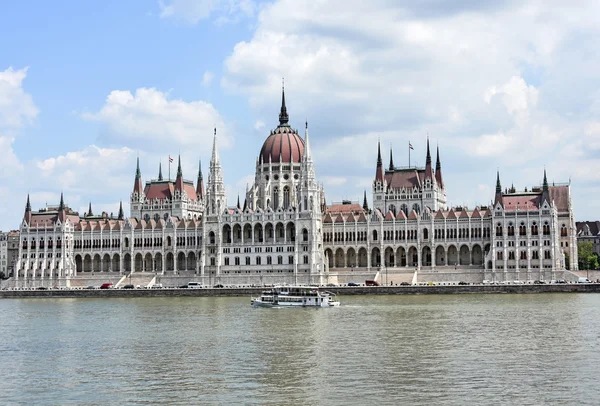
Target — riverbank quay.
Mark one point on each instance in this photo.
(342, 291)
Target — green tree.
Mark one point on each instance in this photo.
(588, 259)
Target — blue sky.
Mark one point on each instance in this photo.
(85, 88)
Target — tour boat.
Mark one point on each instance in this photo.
(295, 296)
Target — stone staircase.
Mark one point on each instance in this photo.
(143, 279)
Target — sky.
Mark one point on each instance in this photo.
(87, 87)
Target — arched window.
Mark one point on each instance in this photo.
(211, 237)
(374, 235)
(393, 209)
(286, 197)
(416, 208)
(275, 198)
(305, 235)
(404, 208)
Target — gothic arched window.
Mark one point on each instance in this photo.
(286, 197)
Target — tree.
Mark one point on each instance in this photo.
(567, 261)
(588, 259)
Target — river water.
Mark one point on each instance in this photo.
(537, 349)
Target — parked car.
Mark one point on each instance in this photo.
(353, 284)
(583, 280)
(128, 286)
(157, 286)
(42, 288)
(371, 283)
(463, 283)
(91, 287)
(218, 286)
(107, 285)
(404, 284)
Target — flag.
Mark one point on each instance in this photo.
(171, 159)
(410, 145)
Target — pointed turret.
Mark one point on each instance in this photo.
(391, 160)
(428, 169)
(307, 154)
(160, 177)
(238, 202)
(365, 204)
(438, 169)
(283, 115)
(138, 186)
(200, 183)
(245, 204)
(90, 213)
(217, 198)
(179, 179)
(379, 170)
(121, 215)
(498, 197)
(27, 216)
(545, 189)
(62, 214)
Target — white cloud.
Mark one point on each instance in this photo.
(207, 78)
(492, 97)
(16, 106)
(333, 180)
(149, 119)
(193, 11)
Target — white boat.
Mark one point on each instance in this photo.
(295, 296)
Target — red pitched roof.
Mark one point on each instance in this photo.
(514, 202)
(560, 196)
(464, 214)
(413, 215)
(345, 208)
(401, 215)
(362, 217)
(339, 218)
(389, 216)
(404, 178)
(439, 215)
(451, 214)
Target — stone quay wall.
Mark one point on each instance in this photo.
(342, 291)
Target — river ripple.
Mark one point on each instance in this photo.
(445, 350)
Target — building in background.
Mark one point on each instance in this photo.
(589, 231)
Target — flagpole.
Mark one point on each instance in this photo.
(409, 154)
(169, 168)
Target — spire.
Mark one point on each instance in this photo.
(498, 185)
(379, 170)
(61, 205)
(499, 197)
(27, 205)
(138, 173)
(391, 159)
(160, 177)
(438, 169)
(121, 215)
(200, 183)
(428, 169)
(245, 205)
(90, 213)
(306, 142)
(545, 189)
(215, 153)
(238, 202)
(283, 115)
(179, 179)
(365, 204)
(137, 186)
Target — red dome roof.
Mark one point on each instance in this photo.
(283, 142)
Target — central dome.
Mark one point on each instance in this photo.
(283, 144)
